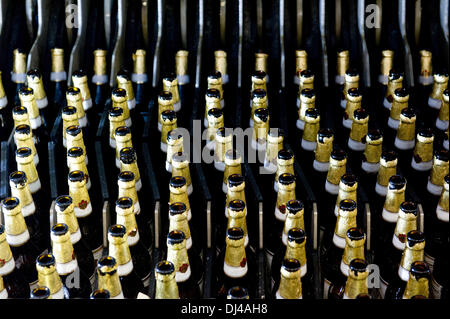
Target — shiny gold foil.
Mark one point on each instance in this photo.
(237, 219)
(127, 85)
(221, 61)
(181, 168)
(122, 141)
(258, 103)
(438, 172)
(312, 126)
(181, 62)
(79, 193)
(25, 140)
(274, 145)
(48, 277)
(21, 118)
(76, 101)
(407, 128)
(343, 61)
(82, 84)
(305, 83)
(294, 221)
(235, 253)
(119, 249)
(235, 192)
(393, 84)
(37, 85)
(166, 286)
(387, 61)
(359, 130)
(394, 198)
(223, 144)
(127, 218)
(180, 222)
(258, 83)
(67, 216)
(301, 61)
(354, 249)
(172, 87)
(174, 145)
(139, 62)
(356, 284)
(285, 194)
(232, 166)
(167, 126)
(296, 251)
(444, 199)
(128, 189)
(347, 192)
(121, 101)
(76, 141)
(305, 104)
(115, 122)
(439, 85)
(424, 148)
(100, 62)
(443, 111)
(345, 220)
(29, 102)
(416, 287)
(260, 129)
(57, 60)
(62, 248)
(179, 194)
(78, 164)
(164, 105)
(26, 165)
(412, 254)
(133, 167)
(323, 149)
(69, 120)
(353, 104)
(387, 169)
(336, 170)
(216, 83)
(22, 192)
(19, 62)
(213, 124)
(108, 279)
(5, 250)
(261, 62)
(2, 89)
(398, 104)
(177, 254)
(426, 67)
(405, 223)
(284, 166)
(290, 284)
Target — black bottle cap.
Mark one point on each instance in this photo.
(425, 132)
(420, 269)
(325, 133)
(354, 92)
(262, 114)
(349, 179)
(46, 260)
(10, 203)
(294, 206)
(347, 205)
(355, 233)
(20, 110)
(286, 178)
(63, 201)
(409, 208)
(358, 265)
(75, 152)
(127, 155)
(117, 230)
(395, 74)
(408, 112)
(101, 294)
(125, 74)
(415, 237)
(122, 130)
(215, 112)
(235, 233)
(169, 115)
(401, 92)
(18, 177)
(215, 75)
(338, 155)
(308, 92)
(213, 93)
(285, 154)
(124, 202)
(291, 265)
(40, 293)
(441, 155)
(76, 176)
(389, 156)
(69, 110)
(306, 73)
(314, 113)
(374, 134)
(23, 152)
(235, 180)
(115, 111)
(165, 95)
(73, 130)
(442, 72)
(236, 205)
(170, 77)
(176, 237)
(296, 235)
(34, 73)
(165, 267)
(396, 182)
(352, 72)
(118, 92)
(72, 90)
(108, 261)
(177, 181)
(360, 114)
(259, 93)
(60, 229)
(237, 293)
(26, 91)
(79, 73)
(126, 176)
(177, 208)
(259, 74)
(223, 131)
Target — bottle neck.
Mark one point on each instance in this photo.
(405, 224)
(7, 264)
(356, 285)
(181, 169)
(179, 194)
(285, 194)
(180, 222)
(335, 171)
(296, 251)
(127, 218)
(235, 263)
(290, 285)
(68, 217)
(119, 249)
(354, 249)
(80, 197)
(15, 227)
(23, 193)
(294, 221)
(345, 221)
(177, 254)
(416, 287)
(438, 172)
(166, 287)
(394, 198)
(412, 254)
(48, 277)
(110, 281)
(238, 219)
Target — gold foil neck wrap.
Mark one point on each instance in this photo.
(76, 102)
(79, 194)
(356, 284)
(127, 218)
(336, 170)
(69, 120)
(392, 86)
(387, 169)
(323, 149)
(398, 104)
(115, 122)
(67, 216)
(122, 103)
(387, 61)
(216, 83)
(5, 250)
(122, 141)
(119, 249)
(444, 199)
(312, 126)
(234, 193)
(285, 194)
(345, 221)
(394, 198)
(48, 277)
(177, 254)
(416, 287)
(301, 61)
(75, 141)
(132, 167)
(426, 67)
(353, 104)
(261, 62)
(343, 61)
(232, 166)
(108, 279)
(346, 192)
(29, 102)
(407, 128)
(173, 146)
(274, 145)
(351, 81)
(2, 286)
(100, 62)
(412, 254)
(237, 219)
(26, 164)
(179, 194)
(359, 130)
(127, 85)
(258, 83)
(181, 62)
(296, 251)
(438, 172)
(37, 85)
(306, 83)
(172, 87)
(290, 284)
(294, 221)
(78, 164)
(181, 168)
(57, 60)
(166, 287)
(354, 249)
(423, 151)
(25, 140)
(62, 248)
(235, 253)
(128, 189)
(443, 111)
(221, 61)
(2, 89)
(439, 85)
(21, 118)
(19, 62)
(167, 126)
(212, 103)
(223, 144)
(405, 224)
(260, 130)
(139, 62)
(180, 222)
(82, 84)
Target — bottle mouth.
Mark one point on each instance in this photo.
(262, 114)
(374, 134)
(259, 93)
(238, 293)
(126, 176)
(101, 294)
(122, 130)
(306, 74)
(76, 176)
(46, 260)
(401, 92)
(176, 237)
(259, 74)
(10, 203)
(358, 265)
(34, 73)
(177, 181)
(445, 92)
(169, 115)
(408, 112)
(325, 133)
(165, 267)
(291, 265)
(18, 177)
(352, 72)
(117, 230)
(420, 269)
(40, 293)
(296, 235)
(294, 206)
(308, 93)
(409, 208)
(235, 180)
(165, 96)
(389, 156)
(73, 130)
(395, 74)
(355, 234)
(73, 90)
(360, 114)
(213, 93)
(60, 229)
(236, 205)
(23, 152)
(63, 201)
(285, 154)
(23, 129)
(20, 110)
(347, 205)
(415, 237)
(235, 233)
(286, 178)
(338, 155)
(26, 91)
(426, 132)
(69, 110)
(441, 155)
(223, 132)
(124, 74)
(124, 202)
(119, 92)
(354, 92)
(170, 77)
(396, 182)
(75, 152)
(106, 261)
(349, 179)
(177, 208)
(215, 112)
(127, 155)
(312, 113)
(79, 74)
